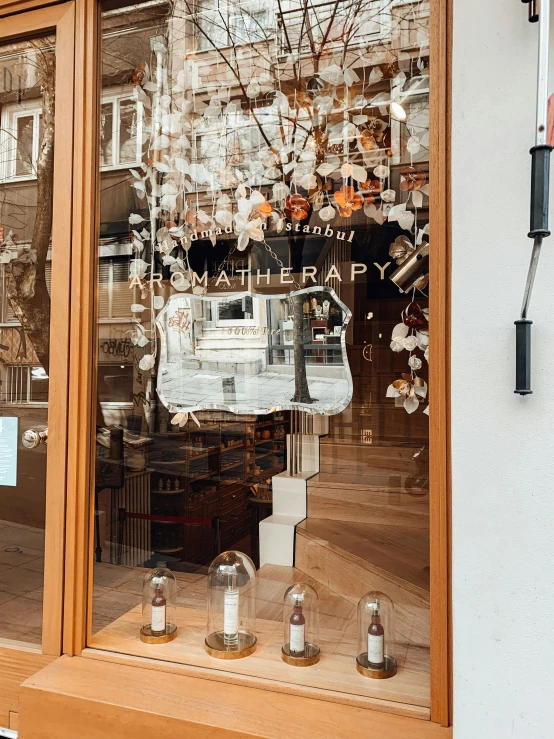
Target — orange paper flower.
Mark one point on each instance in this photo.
(296, 208)
(412, 178)
(348, 200)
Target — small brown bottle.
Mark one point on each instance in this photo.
(297, 628)
(158, 627)
(376, 640)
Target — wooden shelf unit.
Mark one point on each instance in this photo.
(206, 471)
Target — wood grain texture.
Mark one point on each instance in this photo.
(335, 673)
(17, 663)
(79, 697)
(371, 562)
(11, 7)
(80, 502)
(59, 19)
(38, 19)
(58, 385)
(439, 367)
(334, 497)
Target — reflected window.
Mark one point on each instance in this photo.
(236, 312)
(120, 130)
(120, 135)
(114, 296)
(220, 24)
(20, 131)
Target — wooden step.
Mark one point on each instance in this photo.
(101, 695)
(368, 499)
(353, 558)
(353, 457)
(373, 481)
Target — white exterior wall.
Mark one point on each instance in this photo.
(502, 444)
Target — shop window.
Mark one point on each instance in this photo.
(278, 409)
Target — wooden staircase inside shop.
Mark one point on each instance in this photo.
(367, 526)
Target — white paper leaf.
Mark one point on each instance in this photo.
(400, 331)
(381, 171)
(359, 173)
(396, 211)
(346, 170)
(392, 392)
(325, 169)
(162, 167)
(406, 220)
(327, 213)
(137, 308)
(359, 119)
(147, 362)
(350, 77)
(411, 404)
(136, 174)
(417, 198)
(134, 218)
(160, 142)
(413, 145)
(379, 216)
(158, 302)
(375, 75)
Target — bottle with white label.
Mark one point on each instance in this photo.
(231, 611)
(376, 640)
(297, 629)
(159, 619)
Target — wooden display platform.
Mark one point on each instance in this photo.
(335, 675)
(99, 697)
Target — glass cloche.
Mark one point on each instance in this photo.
(376, 636)
(300, 626)
(159, 607)
(231, 623)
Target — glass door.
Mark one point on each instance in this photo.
(35, 135)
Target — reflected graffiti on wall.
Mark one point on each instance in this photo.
(250, 353)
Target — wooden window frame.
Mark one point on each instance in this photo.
(70, 516)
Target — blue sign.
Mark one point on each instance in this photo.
(8, 450)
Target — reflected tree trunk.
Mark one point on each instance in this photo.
(301, 389)
(26, 275)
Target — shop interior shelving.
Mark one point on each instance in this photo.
(206, 472)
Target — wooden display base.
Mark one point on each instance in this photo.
(389, 670)
(147, 638)
(215, 646)
(311, 652)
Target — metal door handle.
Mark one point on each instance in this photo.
(32, 438)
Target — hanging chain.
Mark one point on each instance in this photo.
(279, 262)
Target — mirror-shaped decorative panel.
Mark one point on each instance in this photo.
(249, 353)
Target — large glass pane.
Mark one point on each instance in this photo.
(26, 192)
(263, 374)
